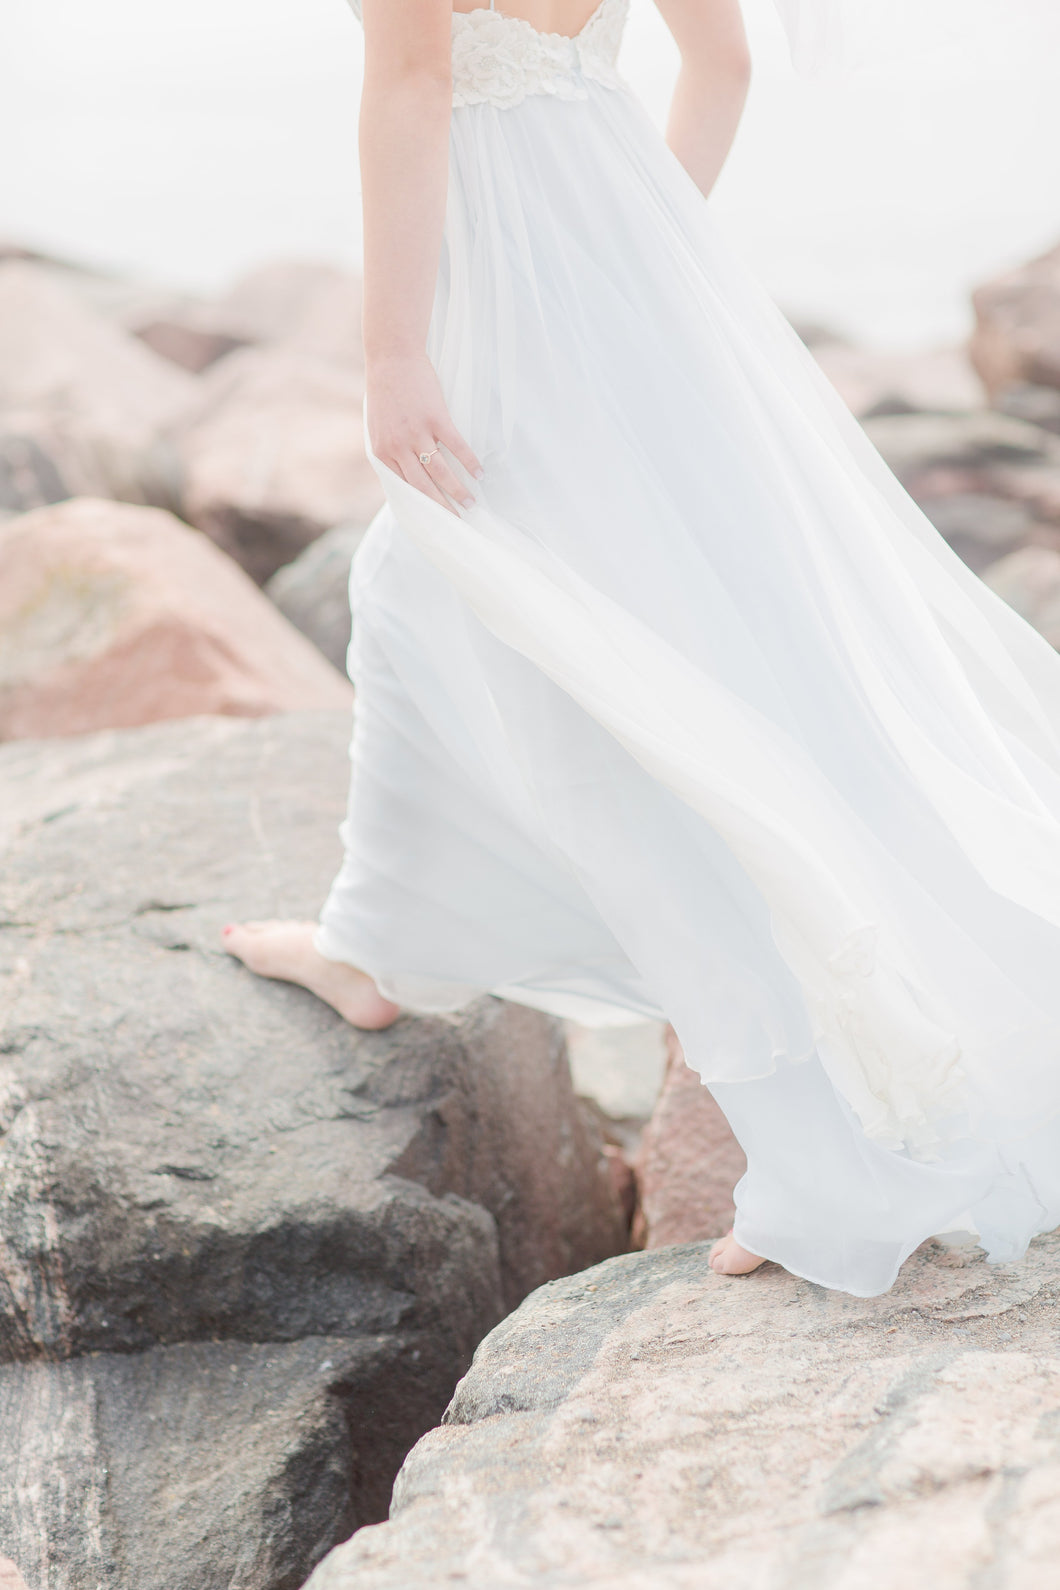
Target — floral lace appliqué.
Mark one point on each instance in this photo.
(499, 60)
(498, 63)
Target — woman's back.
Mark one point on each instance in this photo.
(566, 17)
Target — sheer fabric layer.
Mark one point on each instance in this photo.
(694, 713)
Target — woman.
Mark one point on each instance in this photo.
(670, 702)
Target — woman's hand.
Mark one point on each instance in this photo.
(407, 417)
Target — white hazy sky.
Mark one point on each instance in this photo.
(190, 140)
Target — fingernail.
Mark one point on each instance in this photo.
(467, 502)
(478, 473)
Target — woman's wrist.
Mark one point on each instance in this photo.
(379, 360)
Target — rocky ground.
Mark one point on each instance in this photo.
(648, 1425)
(246, 1253)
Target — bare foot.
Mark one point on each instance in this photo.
(285, 950)
(728, 1258)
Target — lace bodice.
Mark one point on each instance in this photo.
(499, 59)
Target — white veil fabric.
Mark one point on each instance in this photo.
(826, 35)
(815, 32)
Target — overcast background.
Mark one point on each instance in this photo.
(191, 139)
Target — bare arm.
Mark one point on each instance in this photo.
(404, 143)
(711, 86)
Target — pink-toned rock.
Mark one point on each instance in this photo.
(1029, 581)
(184, 343)
(649, 1425)
(10, 1578)
(870, 382)
(1017, 331)
(274, 455)
(621, 1179)
(688, 1162)
(113, 615)
(106, 398)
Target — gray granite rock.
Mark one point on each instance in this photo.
(32, 466)
(202, 1463)
(979, 526)
(913, 444)
(1038, 405)
(313, 592)
(651, 1426)
(245, 1251)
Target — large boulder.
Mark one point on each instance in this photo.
(313, 592)
(1017, 327)
(273, 454)
(652, 1426)
(113, 615)
(104, 399)
(245, 1250)
(198, 1463)
(687, 1163)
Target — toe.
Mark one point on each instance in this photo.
(717, 1254)
(729, 1258)
(234, 938)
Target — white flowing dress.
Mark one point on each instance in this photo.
(694, 714)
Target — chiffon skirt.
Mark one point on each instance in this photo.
(695, 715)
